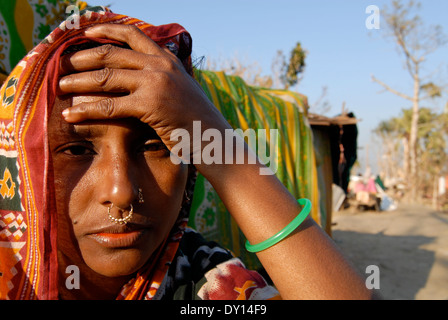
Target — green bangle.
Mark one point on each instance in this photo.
(285, 232)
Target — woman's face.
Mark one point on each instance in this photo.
(100, 163)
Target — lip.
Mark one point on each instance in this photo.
(119, 237)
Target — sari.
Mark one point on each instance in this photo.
(24, 24)
(183, 264)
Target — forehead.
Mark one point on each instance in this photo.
(58, 128)
(63, 102)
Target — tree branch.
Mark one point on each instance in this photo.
(385, 86)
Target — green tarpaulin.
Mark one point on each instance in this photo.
(247, 107)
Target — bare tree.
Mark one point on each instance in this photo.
(392, 139)
(415, 42)
(285, 74)
(278, 69)
(239, 66)
(321, 105)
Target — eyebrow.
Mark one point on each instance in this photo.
(88, 130)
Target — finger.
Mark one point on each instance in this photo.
(169, 52)
(107, 56)
(129, 34)
(108, 108)
(104, 80)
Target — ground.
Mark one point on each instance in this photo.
(409, 246)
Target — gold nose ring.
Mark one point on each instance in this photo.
(124, 220)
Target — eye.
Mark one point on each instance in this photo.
(78, 150)
(153, 145)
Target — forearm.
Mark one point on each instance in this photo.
(307, 264)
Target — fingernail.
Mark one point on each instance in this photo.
(62, 82)
(89, 31)
(66, 113)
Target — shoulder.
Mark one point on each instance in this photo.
(204, 270)
(203, 255)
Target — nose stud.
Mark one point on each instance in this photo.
(124, 220)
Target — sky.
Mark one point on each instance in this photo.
(343, 53)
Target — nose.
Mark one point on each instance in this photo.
(118, 184)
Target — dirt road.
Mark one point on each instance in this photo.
(409, 245)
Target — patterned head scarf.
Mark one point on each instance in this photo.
(28, 218)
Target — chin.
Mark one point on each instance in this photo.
(117, 255)
(119, 263)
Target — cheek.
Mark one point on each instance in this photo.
(71, 190)
(66, 183)
(171, 178)
(166, 191)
